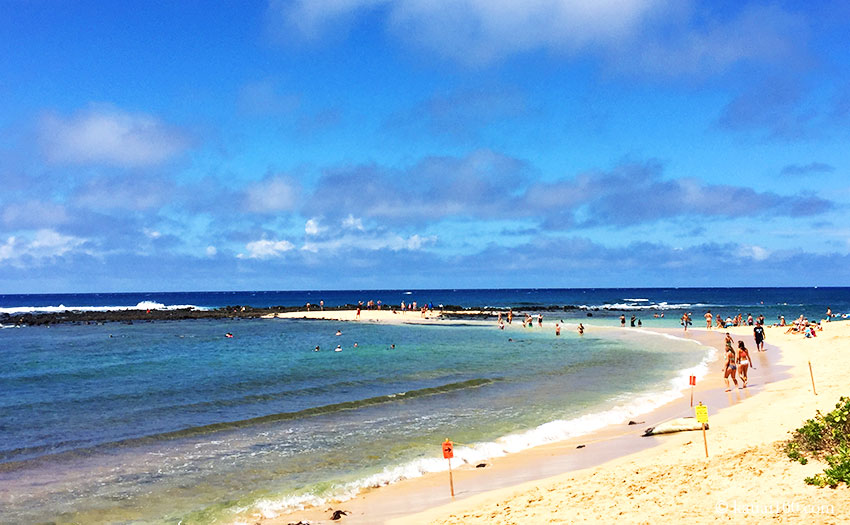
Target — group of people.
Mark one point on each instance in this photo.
(802, 325)
(738, 362)
(528, 322)
(729, 322)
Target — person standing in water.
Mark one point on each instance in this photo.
(708, 320)
(557, 329)
(580, 329)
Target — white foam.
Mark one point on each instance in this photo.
(144, 305)
(626, 406)
(652, 306)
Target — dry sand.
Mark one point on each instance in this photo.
(746, 477)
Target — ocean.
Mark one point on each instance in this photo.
(171, 422)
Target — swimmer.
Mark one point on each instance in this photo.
(338, 332)
(338, 348)
(228, 335)
(392, 346)
(355, 345)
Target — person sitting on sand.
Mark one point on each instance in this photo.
(743, 362)
(729, 367)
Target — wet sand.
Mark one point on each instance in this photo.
(480, 490)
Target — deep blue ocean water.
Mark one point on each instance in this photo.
(171, 421)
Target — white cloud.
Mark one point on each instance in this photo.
(663, 37)
(272, 194)
(104, 134)
(265, 249)
(757, 253)
(391, 242)
(211, 251)
(352, 223)
(479, 31)
(312, 227)
(33, 214)
(45, 244)
(152, 234)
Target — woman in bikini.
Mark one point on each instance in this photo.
(729, 367)
(743, 362)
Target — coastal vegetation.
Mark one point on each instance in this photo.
(825, 437)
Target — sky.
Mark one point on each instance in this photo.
(374, 144)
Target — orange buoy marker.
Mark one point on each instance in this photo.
(813, 378)
(702, 417)
(693, 381)
(448, 453)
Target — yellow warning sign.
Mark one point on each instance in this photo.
(702, 413)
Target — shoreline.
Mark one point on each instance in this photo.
(746, 476)
(430, 491)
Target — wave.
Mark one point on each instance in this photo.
(626, 406)
(72, 448)
(652, 306)
(144, 305)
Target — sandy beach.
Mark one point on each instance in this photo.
(619, 475)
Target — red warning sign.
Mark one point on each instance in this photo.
(448, 449)
(693, 380)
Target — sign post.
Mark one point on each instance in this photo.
(702, 417)
(693, 381)
(813, 378)
(448, 453)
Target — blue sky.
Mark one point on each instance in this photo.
(347, 144)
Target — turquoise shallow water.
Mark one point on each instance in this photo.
(170, 422)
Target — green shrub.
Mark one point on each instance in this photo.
(826, 437)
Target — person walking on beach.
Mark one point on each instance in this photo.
(540, 320)
(743, 362)
(729, 367)
(758, 334)
(623, 320)
(708, 320)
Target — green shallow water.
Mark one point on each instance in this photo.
(169, 422)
